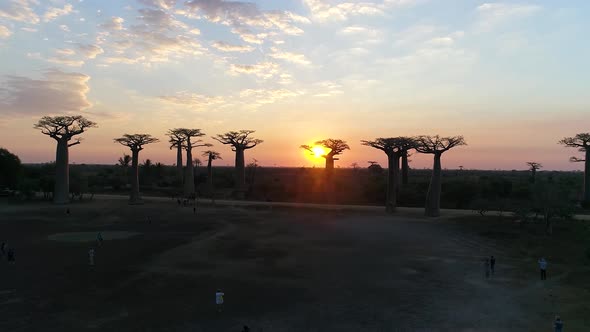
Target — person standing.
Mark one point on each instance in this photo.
(492, 264)
(10, 256)
(486, 267)
(3, 249)
(91, 257)
(543, 268)
(558, 324)
(219, 299)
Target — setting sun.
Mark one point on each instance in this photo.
(318, 151)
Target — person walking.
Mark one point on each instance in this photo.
(219, 299)
(543, 268)
(558, 324)
(3, 249)
(492, 264)
(99, 239)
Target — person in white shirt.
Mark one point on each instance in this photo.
(219, 299)
(543, 268)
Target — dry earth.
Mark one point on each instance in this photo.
(281, 270)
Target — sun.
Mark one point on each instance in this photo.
(318, 151)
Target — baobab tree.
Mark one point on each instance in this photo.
(582, 143)
(210, 155)
(189, 145)
(63, 129)
(135, 142)
(394, 148)
(533, 167)
(336, 147)
(240, 141)
(176, 140)
(436, 145)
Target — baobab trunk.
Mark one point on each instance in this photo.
(392, 180)
(405, 168)
(134, 197)
(240, 174)
(179, 164)
(586, 199)
(62, 177)
(433, 196)
(189, 179)
(210, 174)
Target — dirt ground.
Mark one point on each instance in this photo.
(282, 270)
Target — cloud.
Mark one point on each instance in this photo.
(113, 24)
(53, 12)
(19, 10)
(90, 51)
(225, 47)
(64, 28)
(158, 37)
(57, 92)
(28, 29)
(244, 16)
(330, 10)
(492, 14)
(4, 32)
(290, 57)
(253, 98)
(192, 100)
(327, 89)
(164, 4)
(264, 70)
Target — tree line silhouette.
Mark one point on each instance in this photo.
(64, 129)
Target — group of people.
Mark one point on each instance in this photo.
(489, 265)
(8, 252)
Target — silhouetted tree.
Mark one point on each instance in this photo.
(394, 148)
(336, 147)
(135, 142)
(63, 129)
(124, 162)
(240, 142)
(10, 169)
(582, 143)
(176, 140)
(533, 167)
(408, 144)
(210, 155)
(147, 171)
(436, 145)
(189, 145)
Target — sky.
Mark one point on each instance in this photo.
(511, 77)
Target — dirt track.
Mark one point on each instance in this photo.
(281, 270)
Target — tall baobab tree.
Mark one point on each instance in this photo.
(135, 142)
(336, 147)
(176, 140)
(240, 141)
(394, 148)
(189, 145)
(533, 167)
(582, 143)
(63, 129)
(436, 145)
(210, 155)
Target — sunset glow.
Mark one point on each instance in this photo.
(509, 76)
(318, 151)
